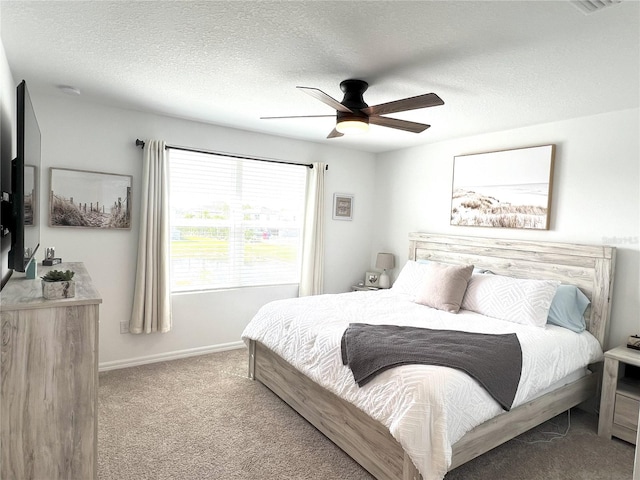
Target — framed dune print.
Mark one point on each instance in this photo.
(508, 189)
(78, 198)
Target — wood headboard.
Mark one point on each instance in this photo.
(589, 267)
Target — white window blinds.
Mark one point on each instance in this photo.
(234, 222)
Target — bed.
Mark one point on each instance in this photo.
(373, 442)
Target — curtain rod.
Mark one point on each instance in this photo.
(140, 143)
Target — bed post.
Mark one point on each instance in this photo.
(601, 296)
(412, 249)
(252, 359)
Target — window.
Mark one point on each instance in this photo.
(234, 222)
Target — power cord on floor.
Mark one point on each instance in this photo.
(554, 435)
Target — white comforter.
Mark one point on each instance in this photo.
(426, 408)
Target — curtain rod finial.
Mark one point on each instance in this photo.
(139, 143)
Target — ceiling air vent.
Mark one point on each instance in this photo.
(590, 6)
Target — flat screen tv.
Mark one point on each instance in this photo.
(25, 184)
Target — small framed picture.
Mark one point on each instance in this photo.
(342, 206)
(372, 279)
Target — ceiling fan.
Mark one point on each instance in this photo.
(354, 115)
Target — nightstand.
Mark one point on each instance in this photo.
(620, 399)
(362, 288)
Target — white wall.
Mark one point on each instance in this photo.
(94, 137)
(595, 198)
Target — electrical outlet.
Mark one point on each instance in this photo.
(124, 327)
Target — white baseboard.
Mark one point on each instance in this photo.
(163, 357)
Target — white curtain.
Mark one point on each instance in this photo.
(152, 298)
(312, 278)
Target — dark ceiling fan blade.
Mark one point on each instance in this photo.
(411, 103)
(324, 98)
(299, 116)
(335, 134)
(406, 125)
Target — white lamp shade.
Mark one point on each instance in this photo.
(386, 261)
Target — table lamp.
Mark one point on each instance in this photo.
(385, 261)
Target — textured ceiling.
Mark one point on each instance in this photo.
(496, 64)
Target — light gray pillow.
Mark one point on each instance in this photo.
(444, 286)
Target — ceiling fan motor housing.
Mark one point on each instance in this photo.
(353, 91)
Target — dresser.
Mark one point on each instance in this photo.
(49, 384)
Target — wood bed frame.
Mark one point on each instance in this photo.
(368, 442)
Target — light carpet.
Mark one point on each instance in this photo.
(202, 418)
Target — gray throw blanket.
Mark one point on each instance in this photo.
(494, 360)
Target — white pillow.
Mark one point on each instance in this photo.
(515, 300)
(411, 278)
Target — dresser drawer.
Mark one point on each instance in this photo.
(626, 411)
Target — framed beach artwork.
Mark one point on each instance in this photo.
(78, 198)
(509, 189)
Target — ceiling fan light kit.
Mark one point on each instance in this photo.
(349, 123)
(349, 127)
(353, 115)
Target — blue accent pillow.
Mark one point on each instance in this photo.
(567, 308)
(482, 271)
